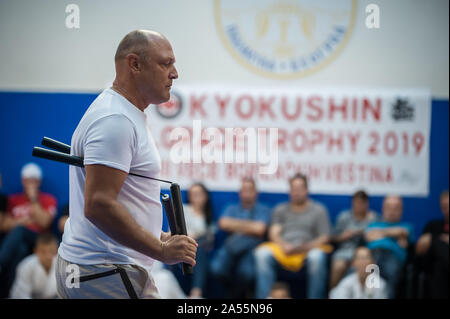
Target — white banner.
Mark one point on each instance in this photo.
(342, 139)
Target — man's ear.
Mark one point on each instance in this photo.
(133, 62)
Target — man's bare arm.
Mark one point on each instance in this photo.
(40, 216)
(374, 234)
(248, 227)
(397, 232)
(315, 243)
(7, 223)
(275, 234)
(101, 207)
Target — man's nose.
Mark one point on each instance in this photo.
(173, 74)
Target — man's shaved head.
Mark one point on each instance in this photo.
(137, 42)
(145, 68)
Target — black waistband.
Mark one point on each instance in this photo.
(123, 275)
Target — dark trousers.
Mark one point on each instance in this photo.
(439, 270)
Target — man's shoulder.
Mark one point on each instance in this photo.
(344, 215)
(262, 207)
(107, 106)
(282, 208)
(231, 210)
(434, 225)
(16, 198)
(377, 224)
(317, 206)
(28, 263)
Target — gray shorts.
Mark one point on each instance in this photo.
(113, 286)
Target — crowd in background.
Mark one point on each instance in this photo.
(251, 251)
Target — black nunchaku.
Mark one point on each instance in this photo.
(173, 206)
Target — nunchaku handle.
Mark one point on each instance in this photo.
(56, 145)
(57, 156)
(172, 206)
(175, 218)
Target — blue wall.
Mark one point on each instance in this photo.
(26, 117)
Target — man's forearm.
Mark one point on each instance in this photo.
(322, 240)
(243, 226)
(40, 216)
(8, 223)
(396, 233)
(319, 241)
(116, 222)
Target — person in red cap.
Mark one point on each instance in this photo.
(29, 213)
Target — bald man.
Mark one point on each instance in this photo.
(113, 234)
(389, 240)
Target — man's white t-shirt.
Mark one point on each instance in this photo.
(115, 133)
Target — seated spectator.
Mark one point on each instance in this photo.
(29, 213)
(356, 285)
(246, 225)
(166, 282)
(280, 290)
(299, 232)
(62, 220)
(3, 206)
(35, 275)
(348, 234)
(433, 247)
(389, 240)
(199, 225)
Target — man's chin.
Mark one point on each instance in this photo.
(165, 98)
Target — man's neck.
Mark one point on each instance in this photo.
(248, 206)
(299, 208)
(129, 94)
(360, 215)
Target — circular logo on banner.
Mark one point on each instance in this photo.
(171, 108)
(285, 38)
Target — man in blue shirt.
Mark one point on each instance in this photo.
(246, 224)
(389, 240)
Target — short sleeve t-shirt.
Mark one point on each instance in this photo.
(300, 228)
(390, 243)
(114, 133)
(19, 206)
(436, 228)
(347, 221)
(258, 212)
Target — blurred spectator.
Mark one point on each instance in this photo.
(28, 214)
(389, 240)
(433, 247)
(348, 234)
(3, 206)
(35, 275)
(63, 218)
(299, 231)
(356, 285)
(280, 290)
(61, 222)
(166, 282)
(246, 225)
(199, 225)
